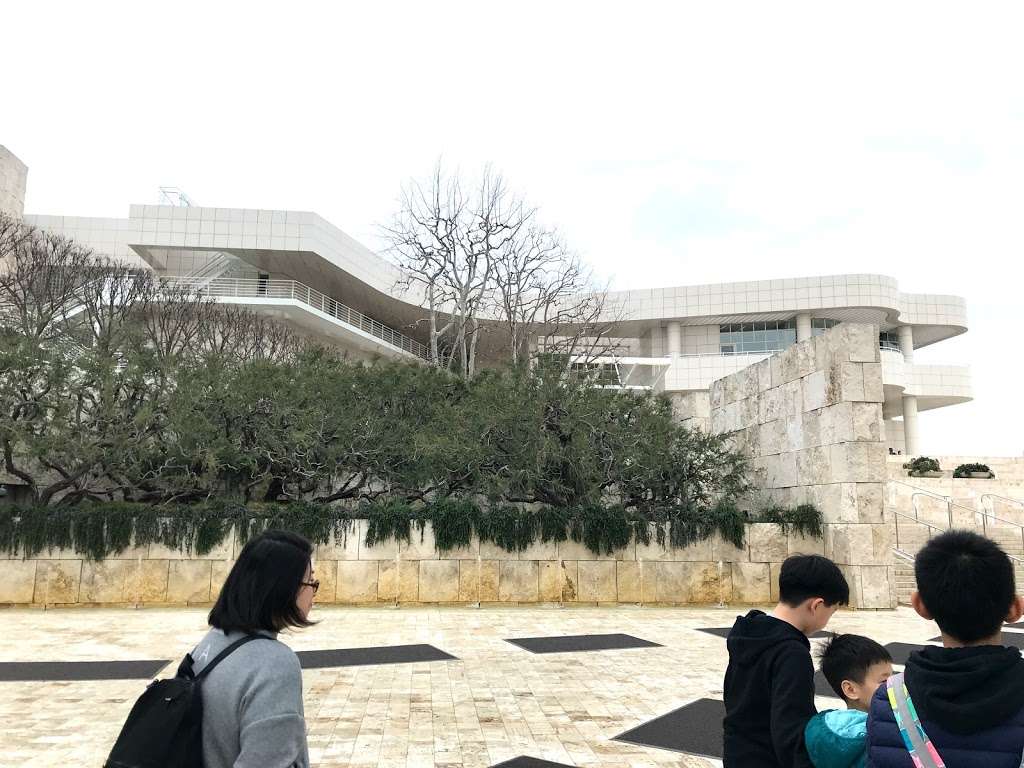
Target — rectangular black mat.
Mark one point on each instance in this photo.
(1012, 639)
(695, 728)
(821, 686)
(571, 643)
(529, 762)
(900, 652)
(386, 654)
(11, 671)
(724, 632)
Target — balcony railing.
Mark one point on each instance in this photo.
(231, 287)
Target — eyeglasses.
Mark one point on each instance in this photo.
(315, 584)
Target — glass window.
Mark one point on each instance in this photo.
(889, 341)
(759, 337)
(821, 324)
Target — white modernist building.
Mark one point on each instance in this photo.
(300, 268)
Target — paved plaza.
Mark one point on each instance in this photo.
(493, 702)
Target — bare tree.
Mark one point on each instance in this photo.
(578, 330)
(449, 246)
(41, 279)
(483, 260)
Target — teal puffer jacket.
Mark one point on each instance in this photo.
(837, 738)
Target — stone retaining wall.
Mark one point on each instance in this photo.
(810, 418)
(351, 573)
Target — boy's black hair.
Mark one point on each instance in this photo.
(848, 657)
(806, 576)
(260, 591)
(966, 583)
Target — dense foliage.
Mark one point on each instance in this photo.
(965, 470)
(98, 531)
(920, 465)
(132, 409)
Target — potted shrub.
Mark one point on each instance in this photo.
(976, 471)
(923, 466)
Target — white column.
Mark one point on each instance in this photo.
(674, 339)
(906, 333)
(911, 443)
(803, 327)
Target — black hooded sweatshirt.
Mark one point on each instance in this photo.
(966, 690)
(769, 694)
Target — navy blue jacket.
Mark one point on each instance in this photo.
(971, 704)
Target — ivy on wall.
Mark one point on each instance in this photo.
(99, 531)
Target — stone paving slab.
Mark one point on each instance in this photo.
(495, 703)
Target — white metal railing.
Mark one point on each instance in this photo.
(984, 514)
(232, 287)
(889, 346)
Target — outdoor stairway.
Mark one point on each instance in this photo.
(906, 584)
(914, 528)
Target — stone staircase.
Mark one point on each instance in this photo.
(905, 583)
(913, 535)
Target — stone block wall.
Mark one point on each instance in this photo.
(392, 572)
(13, 177)
(810, 418)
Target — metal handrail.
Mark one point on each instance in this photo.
(984, 514)
(899, 550)
(984, 496)
(918, 521)
(231, 287)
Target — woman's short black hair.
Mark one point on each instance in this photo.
(260, 591)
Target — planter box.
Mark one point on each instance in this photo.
(980, 475)
(931, 473)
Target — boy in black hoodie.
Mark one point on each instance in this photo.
(769, 684)
(969, 694)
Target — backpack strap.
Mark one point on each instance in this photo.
(922, 751)
(227, 652)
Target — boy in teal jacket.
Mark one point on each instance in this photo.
(854, 666)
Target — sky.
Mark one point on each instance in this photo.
(671, 143)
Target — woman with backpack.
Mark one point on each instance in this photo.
(236, 701)
(252, 702)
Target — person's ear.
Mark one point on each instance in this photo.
(1016, 610)
(919, 606)
(849, 690)
(815, 603)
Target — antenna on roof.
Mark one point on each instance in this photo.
(174, 196)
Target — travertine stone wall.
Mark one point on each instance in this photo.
(399, 573)
(692, 409)
(13, 178)
(810, 418)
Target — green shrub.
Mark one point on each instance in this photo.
(965, 470)
(98, 531)
(920, 465)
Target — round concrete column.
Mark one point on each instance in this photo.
(674, 339)
(803, 327)
(911, 442)
(906, 333)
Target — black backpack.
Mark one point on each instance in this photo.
(165, 727)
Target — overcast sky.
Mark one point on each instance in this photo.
(672, 143)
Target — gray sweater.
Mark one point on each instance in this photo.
(252, 704)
